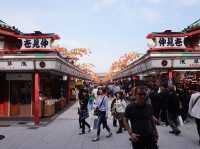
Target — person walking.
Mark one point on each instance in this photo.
(164, 95)
(155, 101)
(113, 111)
(143, 132)
(102, 106)
(91, 99)
(83, 113)
(173, 110)
(120, 105)
(194, 110)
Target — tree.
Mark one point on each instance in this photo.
(121, 63)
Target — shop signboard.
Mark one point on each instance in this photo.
(161, 63)
(166, 42)
(16, 65)
(187, 63)
(170, 42)
(48, 65)
(36, 43)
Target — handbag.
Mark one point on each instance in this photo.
(96, 110)
(95, 124)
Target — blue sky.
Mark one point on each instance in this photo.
(109, 28)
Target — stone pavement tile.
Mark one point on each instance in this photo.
(63, 134)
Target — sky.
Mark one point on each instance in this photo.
(109, 28)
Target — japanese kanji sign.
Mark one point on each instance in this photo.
(170, 42)
(36, 43)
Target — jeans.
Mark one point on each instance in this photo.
(90, 106)
(102, 120)
(147, 142)
(173, 122)
(83, 123)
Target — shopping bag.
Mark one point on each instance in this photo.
(180, 120)
(95, 124)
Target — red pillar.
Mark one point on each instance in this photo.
(170, 76)
(68, 89)
(36, 99)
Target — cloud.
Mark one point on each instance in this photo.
(151, 15)
(188, 3)
(102, 4)
(153, 1)
(70, 43)
(25, 22)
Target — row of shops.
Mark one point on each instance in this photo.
(172, 57)
(35, 80)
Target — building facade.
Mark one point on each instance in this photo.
(33, 75)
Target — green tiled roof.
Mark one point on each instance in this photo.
(193, 26)
(2, 23)
(168, 32)
(8, 27)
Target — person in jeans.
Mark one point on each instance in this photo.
(83, 113)
(143, 132)
(194, 110)
(102, 104)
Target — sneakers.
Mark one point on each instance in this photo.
(119, 131)
(175, 132)
(109, 135)
(81, 133)
(2, 137)
(95, 139)
(89, 130)
(172, 132)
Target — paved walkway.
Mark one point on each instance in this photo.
(63, 134)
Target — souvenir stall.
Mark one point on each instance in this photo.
(34, 77)
(172, 57)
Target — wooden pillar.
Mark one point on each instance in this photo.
(36, 99)
(68, 89)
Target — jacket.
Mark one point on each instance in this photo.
(194, 110)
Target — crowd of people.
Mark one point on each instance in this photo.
(138, 107)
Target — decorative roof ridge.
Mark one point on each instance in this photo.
(195, 25)
(5, 26)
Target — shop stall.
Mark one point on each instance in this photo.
(172, 57)
(34, 78)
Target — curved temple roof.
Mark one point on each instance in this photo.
(193, 26)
